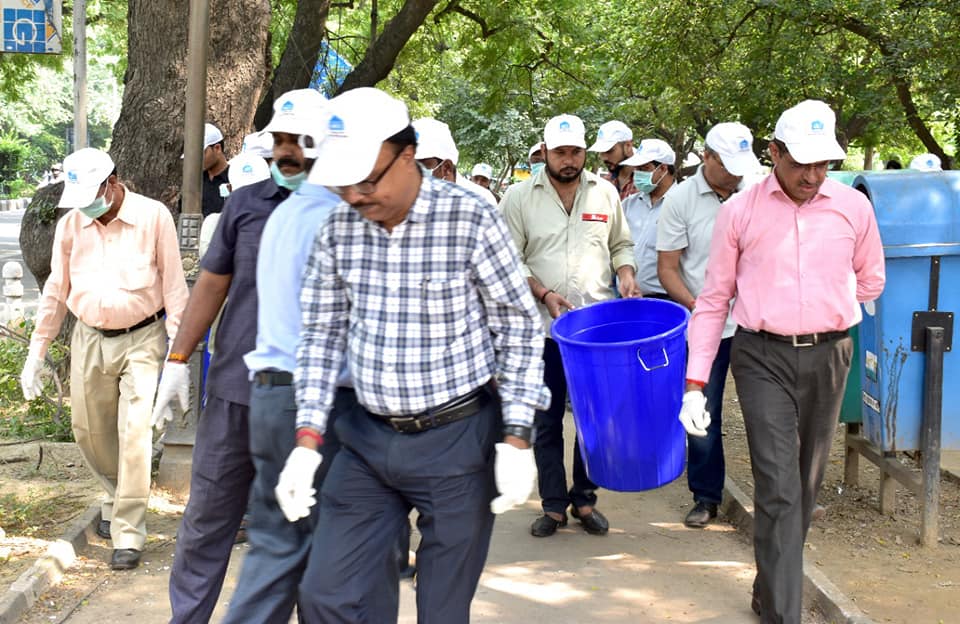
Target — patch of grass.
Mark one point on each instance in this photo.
(38, 513)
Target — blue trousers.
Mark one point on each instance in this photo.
(706, 469)
(267, 588)
(220, 480)
(446, 473)
(548, 444)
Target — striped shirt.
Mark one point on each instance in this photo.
(424, 314)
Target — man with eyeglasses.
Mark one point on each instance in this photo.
(416, 282)
(222, 469)
(572, 234)
(684, 232)
(800, 252)
(438, 153)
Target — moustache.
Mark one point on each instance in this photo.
(284, 162)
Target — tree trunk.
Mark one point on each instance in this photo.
(148, 138)
(299, 55)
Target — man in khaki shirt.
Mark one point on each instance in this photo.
(570, 231)
(116, 265)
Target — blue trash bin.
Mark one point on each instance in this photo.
(625, 362)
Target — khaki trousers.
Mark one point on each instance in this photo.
(113, 382)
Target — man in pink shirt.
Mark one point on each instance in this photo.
(116, 266)
(799, 252)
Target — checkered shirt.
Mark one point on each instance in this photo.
(425, 313)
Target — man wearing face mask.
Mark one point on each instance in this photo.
(569, 228)
(535, 159)
(437, 152)
(615, 144)
(683, 244)
(653, 176)
(222, 469)
(116, 266)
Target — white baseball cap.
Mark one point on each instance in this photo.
(259, 144)
(211, 135)
(359, 121)
(297, 111)
(610, 134)
(247, 168)
(809, 132)
(733, 142)
(482, 169)
(533, 150)
(926, 162)
(651, 150)
(564, 130)
(434, 140)
(84, 171)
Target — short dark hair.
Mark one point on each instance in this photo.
(781, 146)
(670, 168)
(407, 136)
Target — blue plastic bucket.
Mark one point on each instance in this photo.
(625, 362)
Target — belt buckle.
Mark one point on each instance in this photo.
(397, 421)
(804, 344)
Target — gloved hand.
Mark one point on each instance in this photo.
(174, 385)
(295, 491)
(30, 381)
(515, 471)
(693, 414)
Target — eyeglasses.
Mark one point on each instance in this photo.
(366, 187)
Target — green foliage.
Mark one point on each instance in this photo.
(14, 152)
(42, 417)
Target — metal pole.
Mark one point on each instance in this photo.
(79, 74)
(174, 472)
(932, 408)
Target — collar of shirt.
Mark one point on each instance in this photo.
(429, 186)
(269, 189)
(704, 187)
(126, 214)
(771, 186)
(315, 190)
(221, 178)
(542, 179)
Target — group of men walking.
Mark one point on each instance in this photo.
(385, 346)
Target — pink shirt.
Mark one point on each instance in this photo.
(793, 269)
(113, 276)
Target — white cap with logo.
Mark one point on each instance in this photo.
(359, 121)
(211, 135)
(534, 149)
(564, 130)
(84, 171)
(247, 168)
(258, 143)
(434, 140)
(297, 111)
(809, 132)
(610, 134)
(483, 170)
(651, 150)
(926, 162)
(733, 142)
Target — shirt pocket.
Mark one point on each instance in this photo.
(137, 276)
(444, 304)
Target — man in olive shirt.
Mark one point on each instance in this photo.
(569, 228)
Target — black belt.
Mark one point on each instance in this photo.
(273, 378)
(800, 340)
(451, 411)
(113, 333)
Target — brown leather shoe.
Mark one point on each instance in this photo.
(125, 559)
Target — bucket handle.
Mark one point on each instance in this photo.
(666, 361)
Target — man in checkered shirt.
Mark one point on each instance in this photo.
(417, 283)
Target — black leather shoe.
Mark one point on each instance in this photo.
(408, 572)
(701, 515)
(103, 529)
(125, 559)
(545, 526)
(594, 523)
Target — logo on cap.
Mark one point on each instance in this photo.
(335, 125)
(816, 125)
(564, 126)
(286, 107)
(248, 168)
(930, 163)
(599, 133)
(744, 145)
(72, 176)
(640, 148)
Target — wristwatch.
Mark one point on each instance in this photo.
(519, 431)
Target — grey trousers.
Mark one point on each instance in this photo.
(791, 399)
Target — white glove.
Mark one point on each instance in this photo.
(174, 385)
(30, 381)
(515, 471)
(295, 491)
(693, 414)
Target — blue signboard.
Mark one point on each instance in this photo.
(330, 71)
(31, 26)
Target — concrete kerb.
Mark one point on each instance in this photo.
(49, 569)
(829, 599)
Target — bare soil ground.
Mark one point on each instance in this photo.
(875, 559)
